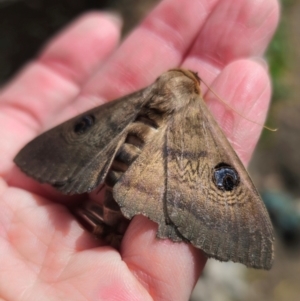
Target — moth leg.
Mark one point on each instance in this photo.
(104, 221)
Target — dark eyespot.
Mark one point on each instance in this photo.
(225, 177)
(84, 124)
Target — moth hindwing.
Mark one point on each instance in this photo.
(160, 153)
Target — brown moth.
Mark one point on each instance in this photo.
(160, 153)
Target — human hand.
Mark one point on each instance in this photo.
(45, 254)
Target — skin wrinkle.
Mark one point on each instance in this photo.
(247, 92)
(64, 63)
(80, 292)
(220, 63)
(132, 293)
(175, 44)
(7, 205)
(252, 22)
(240, 86)
(205, 9)
(61, 278)
(40, 239)
(74, 287)
(237, 136)
(27, 263)
(31, 287)
(44, 262)
(255, 103)
(150, 285)
(53, 73)
(60, 75)
(60, 281)
(249, 109)
(236, 26)
(242, 154)
(125, 81)
(36, 123)
(57, 66)
(22, 106)
(143, 277)
(24, 256)
(267, 31)
(24, 118)
(139, 273)
(212, 60)
(174, 31)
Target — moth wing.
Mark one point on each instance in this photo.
(141, 189)
(227, 225)
(77, 163)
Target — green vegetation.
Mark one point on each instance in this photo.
(278, 54)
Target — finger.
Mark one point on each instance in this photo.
(79, 49)
(158, 44)
(245, 86)
(132, 66)
(163, 267)
(67, 61)
(234, 30)
(51, 82)
(157, 262)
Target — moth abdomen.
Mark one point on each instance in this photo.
(138, 134)
(119, 165)
(112, 178)
(112, 215)
(135, 140)
(103, 220)
(128, 153)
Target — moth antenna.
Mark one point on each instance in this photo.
(227, 105)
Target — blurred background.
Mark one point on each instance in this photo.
(275, 168)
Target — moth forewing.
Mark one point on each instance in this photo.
(161, 154)
(209, 186)
(76, 155)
